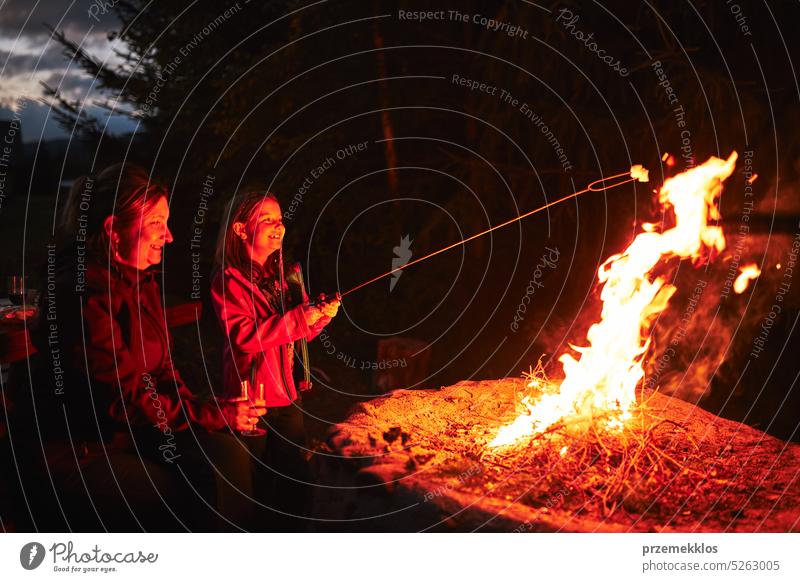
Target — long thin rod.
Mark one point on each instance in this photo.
(590, 188)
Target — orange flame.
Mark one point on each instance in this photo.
(746, 274)
(603, 380)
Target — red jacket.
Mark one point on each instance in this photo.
(258, 335)
(126, 350)
(103, 363)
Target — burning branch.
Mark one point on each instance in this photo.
(653, 462)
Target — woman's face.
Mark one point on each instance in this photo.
(268, 231)
(141, 245)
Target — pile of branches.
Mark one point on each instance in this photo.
(653, 466)
(668, 466)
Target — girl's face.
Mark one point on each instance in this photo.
(141, 245)
(267, 231)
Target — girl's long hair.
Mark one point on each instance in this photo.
(231, 250)
(124, 191)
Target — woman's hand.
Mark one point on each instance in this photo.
(243, 414)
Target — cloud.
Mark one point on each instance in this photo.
(72, 86)
(18, 63)
(29, 56)
(27, 18)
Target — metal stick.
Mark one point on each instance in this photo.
(590, 188)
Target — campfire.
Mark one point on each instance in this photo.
(594, 449)
(589, 431)
(602, 382)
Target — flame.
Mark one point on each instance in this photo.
(746, 274)
(602, 380)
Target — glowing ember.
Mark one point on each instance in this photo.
(746, 274)
(603, 380)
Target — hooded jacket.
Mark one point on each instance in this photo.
(259, 339)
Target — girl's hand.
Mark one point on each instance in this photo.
(313, 314)
(330, 307)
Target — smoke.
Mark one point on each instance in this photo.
(707, 333)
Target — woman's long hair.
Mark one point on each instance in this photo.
(124, 191)
(231, 250)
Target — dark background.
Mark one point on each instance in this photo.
(278, 87)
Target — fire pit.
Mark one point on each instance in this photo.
(419, 459)
(593, 451)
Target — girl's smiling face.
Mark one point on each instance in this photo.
(141, 246)
(265, 233)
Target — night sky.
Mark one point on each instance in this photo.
(29, 56)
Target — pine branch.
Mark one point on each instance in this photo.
(71, 115)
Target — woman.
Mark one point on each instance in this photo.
(262, 316)
(123, 433)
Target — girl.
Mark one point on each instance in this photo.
(262, 316)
